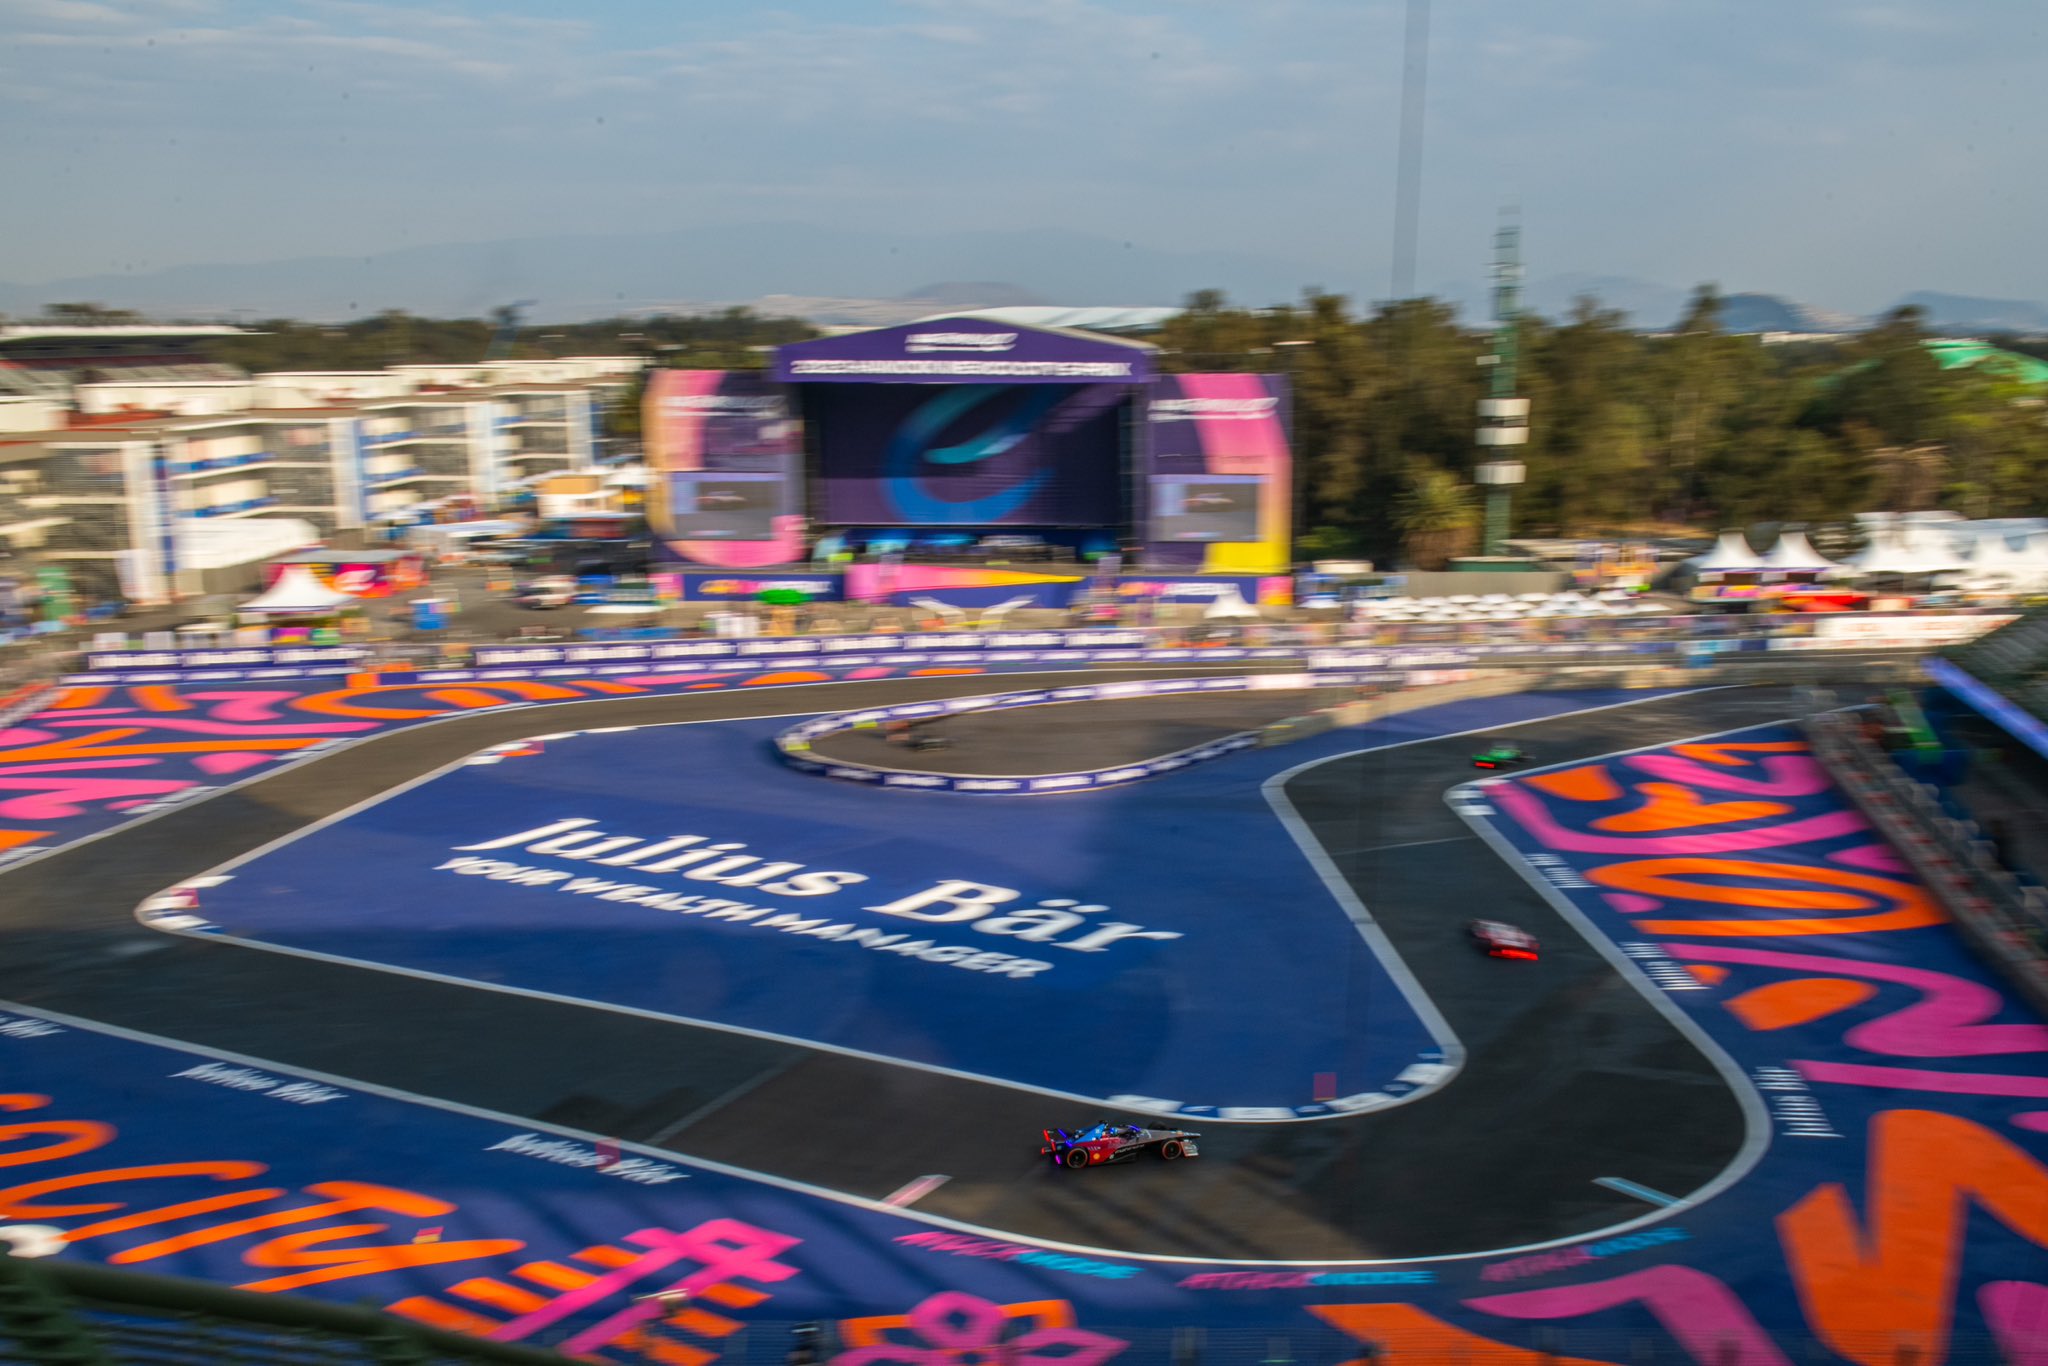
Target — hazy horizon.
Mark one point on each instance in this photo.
(1840, 154)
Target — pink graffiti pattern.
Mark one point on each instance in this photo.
(1919, 1014)
(1948, 1021)
(1697, 1309)
(97, 756)
(956, 1329)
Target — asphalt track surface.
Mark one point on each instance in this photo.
(1074, 737)
(1572, 1074)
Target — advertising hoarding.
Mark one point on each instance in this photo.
(964, 351)
(1218, 487)
(724, 448)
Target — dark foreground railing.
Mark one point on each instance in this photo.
(56, 1313)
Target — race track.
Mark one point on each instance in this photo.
(1588, 1076)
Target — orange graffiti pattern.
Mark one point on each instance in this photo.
(1927, 1172)
(1909, 905)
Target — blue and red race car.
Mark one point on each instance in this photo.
(1105, 1143)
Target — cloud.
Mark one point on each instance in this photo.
(66, 12)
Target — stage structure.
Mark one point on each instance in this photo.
(921, 453)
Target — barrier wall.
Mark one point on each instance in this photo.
(1119, 645)
(794, 744)
(1430, 688)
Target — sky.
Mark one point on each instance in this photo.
(1839, 152)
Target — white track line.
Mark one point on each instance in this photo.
(524, 1124)
(1756, 1116)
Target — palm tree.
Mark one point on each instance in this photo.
(1436, 516)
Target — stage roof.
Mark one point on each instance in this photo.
(1086, 319)
(965, 350)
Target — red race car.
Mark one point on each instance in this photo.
(1498, 939)
(1106, 1143)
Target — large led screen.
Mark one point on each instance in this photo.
(969, 455)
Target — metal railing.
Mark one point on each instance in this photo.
(57, 1313)
(2002, 917)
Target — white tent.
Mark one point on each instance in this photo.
(1793, 555)
(1228, 605)
(2023, 564)
(1908, 550)
(298, 593)
(1730, 555)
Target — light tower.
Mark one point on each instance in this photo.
(1503, 417)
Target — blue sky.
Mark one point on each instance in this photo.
(1838, 151)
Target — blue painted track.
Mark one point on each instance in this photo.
(1263, 1003)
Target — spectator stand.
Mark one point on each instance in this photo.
(2002, 915)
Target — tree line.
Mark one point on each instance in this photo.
(1629, 433)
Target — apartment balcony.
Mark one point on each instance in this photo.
(240, 509)
(192, 469)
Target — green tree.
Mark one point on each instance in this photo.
(1436, 515)
(1895, 386)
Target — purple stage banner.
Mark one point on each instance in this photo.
(970, 455)
(963, 351)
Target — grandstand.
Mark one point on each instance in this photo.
(2012, 659)
(50, 361)
(1989, 711)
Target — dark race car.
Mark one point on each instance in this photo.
(1498, 939)
(1500, 754)
(1106, 1143)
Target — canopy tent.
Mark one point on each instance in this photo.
(1906, 550)
(1792, 555)
(1730, 555)
(297, 593)
(2023, 562)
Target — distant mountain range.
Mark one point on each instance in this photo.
(832, 275)
(576, 278)
(1653, 306)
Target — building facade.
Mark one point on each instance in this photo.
(146, 486)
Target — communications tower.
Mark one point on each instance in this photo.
(1503, 415)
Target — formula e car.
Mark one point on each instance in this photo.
(1500, 754)
(1498, 939)
(1106, 1143)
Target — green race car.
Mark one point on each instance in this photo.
(1500, 754)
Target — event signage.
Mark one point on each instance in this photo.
(336, 657)
(963, 350)
(810, 646)
(1861, 632)
(1218, 473)
(676, 860)
(724, 446)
